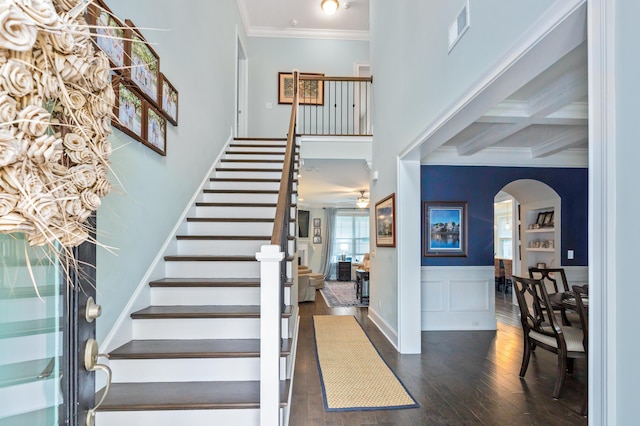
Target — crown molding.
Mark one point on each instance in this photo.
(308, 33)
(507, 157)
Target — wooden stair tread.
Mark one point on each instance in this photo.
(229, 219)
(248, 169)
(239, 138)
(208, 258)
(208, 204)
(29, 291)
(227, 237)
(259, 180)
(202, 311)
(199, 348)
(250, 160)
(185, 396)
(240, 191)
(209, 282)
(254, 152)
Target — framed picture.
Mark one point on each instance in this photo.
(317, 240)
(548, 219)
(142, 64)
(128, 109)
(155, 129)
(109, 31)
(541, 265)
(316, 232)
(540, 219)
(168, 100)
(445, 228)
(310, 92)
(386, 222)
(316, 222)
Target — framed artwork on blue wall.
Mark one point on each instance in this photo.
(444, 229)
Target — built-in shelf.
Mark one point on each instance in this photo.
(538, 231)
(550, 250)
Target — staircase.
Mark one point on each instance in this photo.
(195, 354)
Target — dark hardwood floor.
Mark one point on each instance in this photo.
(461, 378)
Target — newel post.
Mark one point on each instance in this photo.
(270, 257)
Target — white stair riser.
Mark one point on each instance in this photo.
(194, 296)
(235, 212)
(278, 149)
(249, 175)
(237, 228)
(201, 328)
(28, 348)
(249, 165)
(238, 197)
(223, 247)
(266, 185)
(244, 417)
(188, 370)
(207, 269)
(246, 156)
(220, 247)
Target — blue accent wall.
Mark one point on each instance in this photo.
(478, 186)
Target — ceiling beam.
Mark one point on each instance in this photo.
(570, 87)
(490, 136)
(559, 142)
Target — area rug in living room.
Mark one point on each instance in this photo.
(340, 293)
(353, 375)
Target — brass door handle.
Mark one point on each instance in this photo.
(91, 356)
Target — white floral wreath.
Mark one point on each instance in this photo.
(56, 106)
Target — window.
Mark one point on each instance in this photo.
(350, 235)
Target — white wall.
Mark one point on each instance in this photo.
(627, 231)
(268, 56)
(196, 44)
(416, 80)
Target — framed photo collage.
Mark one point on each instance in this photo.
(145, 99)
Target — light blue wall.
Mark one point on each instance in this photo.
(197, 46)
(268, 56)
(416, 79)
(627, 233)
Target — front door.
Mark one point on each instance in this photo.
(43, 333)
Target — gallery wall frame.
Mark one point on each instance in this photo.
(444, 229)
(168, 100)
(110, 33)
(128, 110)
(155, 129)
(385, 212)
(142, 64)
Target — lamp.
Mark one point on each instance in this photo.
(507, 226)
(329, 6)
(344, 248)
(362, 201)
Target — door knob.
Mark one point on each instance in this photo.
(92, 311)
(91, 356)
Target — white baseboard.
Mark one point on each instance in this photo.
(384, 327)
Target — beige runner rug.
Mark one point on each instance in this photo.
(352, 373)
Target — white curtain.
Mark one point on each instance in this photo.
(325, 258)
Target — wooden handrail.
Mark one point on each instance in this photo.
(329, 78)
(281, 222)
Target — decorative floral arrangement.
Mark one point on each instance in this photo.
(56, 106)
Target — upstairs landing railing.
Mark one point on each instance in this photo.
(338, 106)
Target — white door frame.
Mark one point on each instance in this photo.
(241, 115)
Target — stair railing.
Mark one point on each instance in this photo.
(336, 106)
(273, 275)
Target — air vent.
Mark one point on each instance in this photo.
(459, 26)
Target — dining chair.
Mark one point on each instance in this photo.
(498, 267)
(550, 277)
(508, 275)
(581, 292)
(540, 328)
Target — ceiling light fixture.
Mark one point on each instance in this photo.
(329, 6)
(362, 201)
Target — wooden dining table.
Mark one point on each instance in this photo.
(566, 301)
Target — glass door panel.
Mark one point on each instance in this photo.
(32, 309)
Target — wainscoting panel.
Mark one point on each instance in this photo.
(458, 298)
